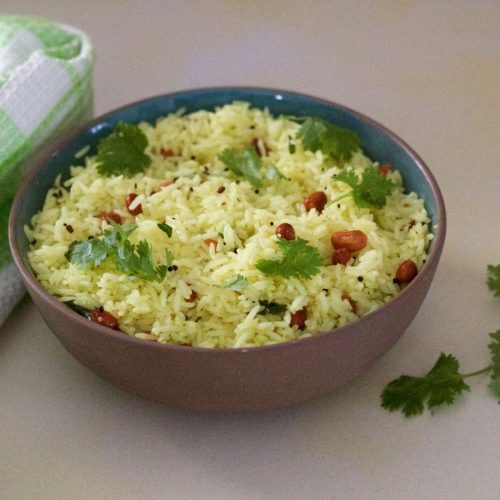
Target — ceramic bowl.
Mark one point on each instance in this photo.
(231, 380)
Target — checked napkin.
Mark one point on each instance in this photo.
(45, 89)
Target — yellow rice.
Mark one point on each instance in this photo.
(241, 218)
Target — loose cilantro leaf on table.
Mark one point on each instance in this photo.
(134, 260)
(246, 163)
(122, 152)
(440, 386)
(298, 260)
(237, 282)
(317, 134)
(444, 382)
(494, 279)
(494, 348)
(371, 191)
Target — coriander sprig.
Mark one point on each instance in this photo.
(246, 163)
(134, 260)
(122, 151)
(369, 191)
(443, 383)
(236, 282)
(298, 260)
(319, 135)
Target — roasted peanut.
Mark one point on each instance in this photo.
(353, 241)
(316, 200)
(209, 242)
(104, 318)
(128, 201)
(298, 319)
(351, 301)
(192, 297)
(341, 256)
(108, 216)
(285, 231)
(406, 272)
(385, 169)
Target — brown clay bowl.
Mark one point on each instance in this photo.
(231, 380)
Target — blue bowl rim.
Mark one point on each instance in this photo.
(364, 322)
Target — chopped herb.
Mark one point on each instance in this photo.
(236, 282)
(292, 147)
(169, 257)
(88, 252)
(319, 135)
(298, 260)
(137, 261)
(246, 163)
(122, 152)
(371, 191)
(166, 229)
(274, 173)
(134, 260)
(83, 311)
(271, 307)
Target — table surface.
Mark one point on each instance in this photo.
(429, 71)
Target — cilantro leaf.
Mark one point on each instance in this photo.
(440, 386)
(118, 233)
(495, 387)
(298, 260)
(494, 348)
(371, 191)
(236, 282)
(83, 311)
(246, 163)
(134, 260)
(88, 252)
(122, 152)
(317, 134)
(166, 229)
(494, 279)
(274, 173)
(271, 307)
(137, 261)
(169, 257)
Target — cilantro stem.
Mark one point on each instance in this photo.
(341, 197)
(473, 374)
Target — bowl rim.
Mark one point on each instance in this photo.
(55, 146)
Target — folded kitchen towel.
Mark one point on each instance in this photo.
(45, 89)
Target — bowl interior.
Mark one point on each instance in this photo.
(379, 143)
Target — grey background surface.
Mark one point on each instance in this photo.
(428, 70)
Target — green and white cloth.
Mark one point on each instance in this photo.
(45, 89)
